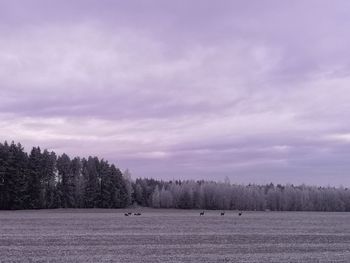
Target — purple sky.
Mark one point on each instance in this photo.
(258, 91)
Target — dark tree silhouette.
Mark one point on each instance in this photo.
(43, 180)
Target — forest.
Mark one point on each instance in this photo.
(43, 180)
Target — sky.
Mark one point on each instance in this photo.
(256, 91)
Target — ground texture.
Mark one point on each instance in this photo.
(173, 236)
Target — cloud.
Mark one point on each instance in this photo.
(340, 137)
(85, 68)
(178, 91)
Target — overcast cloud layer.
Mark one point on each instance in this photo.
(258, 91)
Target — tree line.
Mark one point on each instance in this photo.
(42, 179)
(227, 196)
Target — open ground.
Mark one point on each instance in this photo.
(161, 235)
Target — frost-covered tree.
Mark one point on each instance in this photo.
(129, 188)
(166, 198)
(156, 198)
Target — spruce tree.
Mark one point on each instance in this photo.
(67, 181)
(34, 185)
(49, 181)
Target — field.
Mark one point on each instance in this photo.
(100, 235)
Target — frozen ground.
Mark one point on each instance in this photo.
(173, 236)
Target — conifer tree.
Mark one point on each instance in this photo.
(34, 187)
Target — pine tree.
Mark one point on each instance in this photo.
(12, 176)
(4, 155)
(120, 193)
(106, 185)
(48, 165)
(77, 182)
(92, 184)
(67, 181)
(34, 187)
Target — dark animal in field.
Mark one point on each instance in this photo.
(137, 214)
(240, 213)
(129, 213)
(201, 213)
(222, 213)
(126, 214)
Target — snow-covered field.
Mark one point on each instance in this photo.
(159, 235)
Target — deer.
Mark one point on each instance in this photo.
(201, 213)
(240, 213)
(222, 213)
